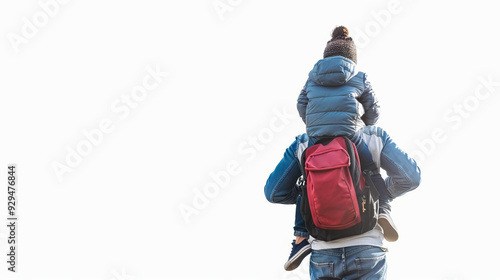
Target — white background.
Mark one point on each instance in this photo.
(234, 74)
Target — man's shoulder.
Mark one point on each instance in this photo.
(302, 138)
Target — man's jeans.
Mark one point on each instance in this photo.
(356, 262)
(402, 171)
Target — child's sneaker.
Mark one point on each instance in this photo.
(299, 252)
(385, 221)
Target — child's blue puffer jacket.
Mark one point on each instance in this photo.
(330, 101)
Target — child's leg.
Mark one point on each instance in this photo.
(299, 230)
(366, 157)
(403, 172)
(300, 247)
(367, 163)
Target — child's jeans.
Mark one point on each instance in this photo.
(376, 150)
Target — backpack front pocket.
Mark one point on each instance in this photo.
(330, 190)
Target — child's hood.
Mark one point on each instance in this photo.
(333, 71)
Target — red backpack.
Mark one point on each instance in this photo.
(336, 200)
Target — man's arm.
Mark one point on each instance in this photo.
(280, 186)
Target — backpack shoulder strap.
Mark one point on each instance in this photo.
(354, 168)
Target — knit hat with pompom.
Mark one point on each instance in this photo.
(341, 45)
